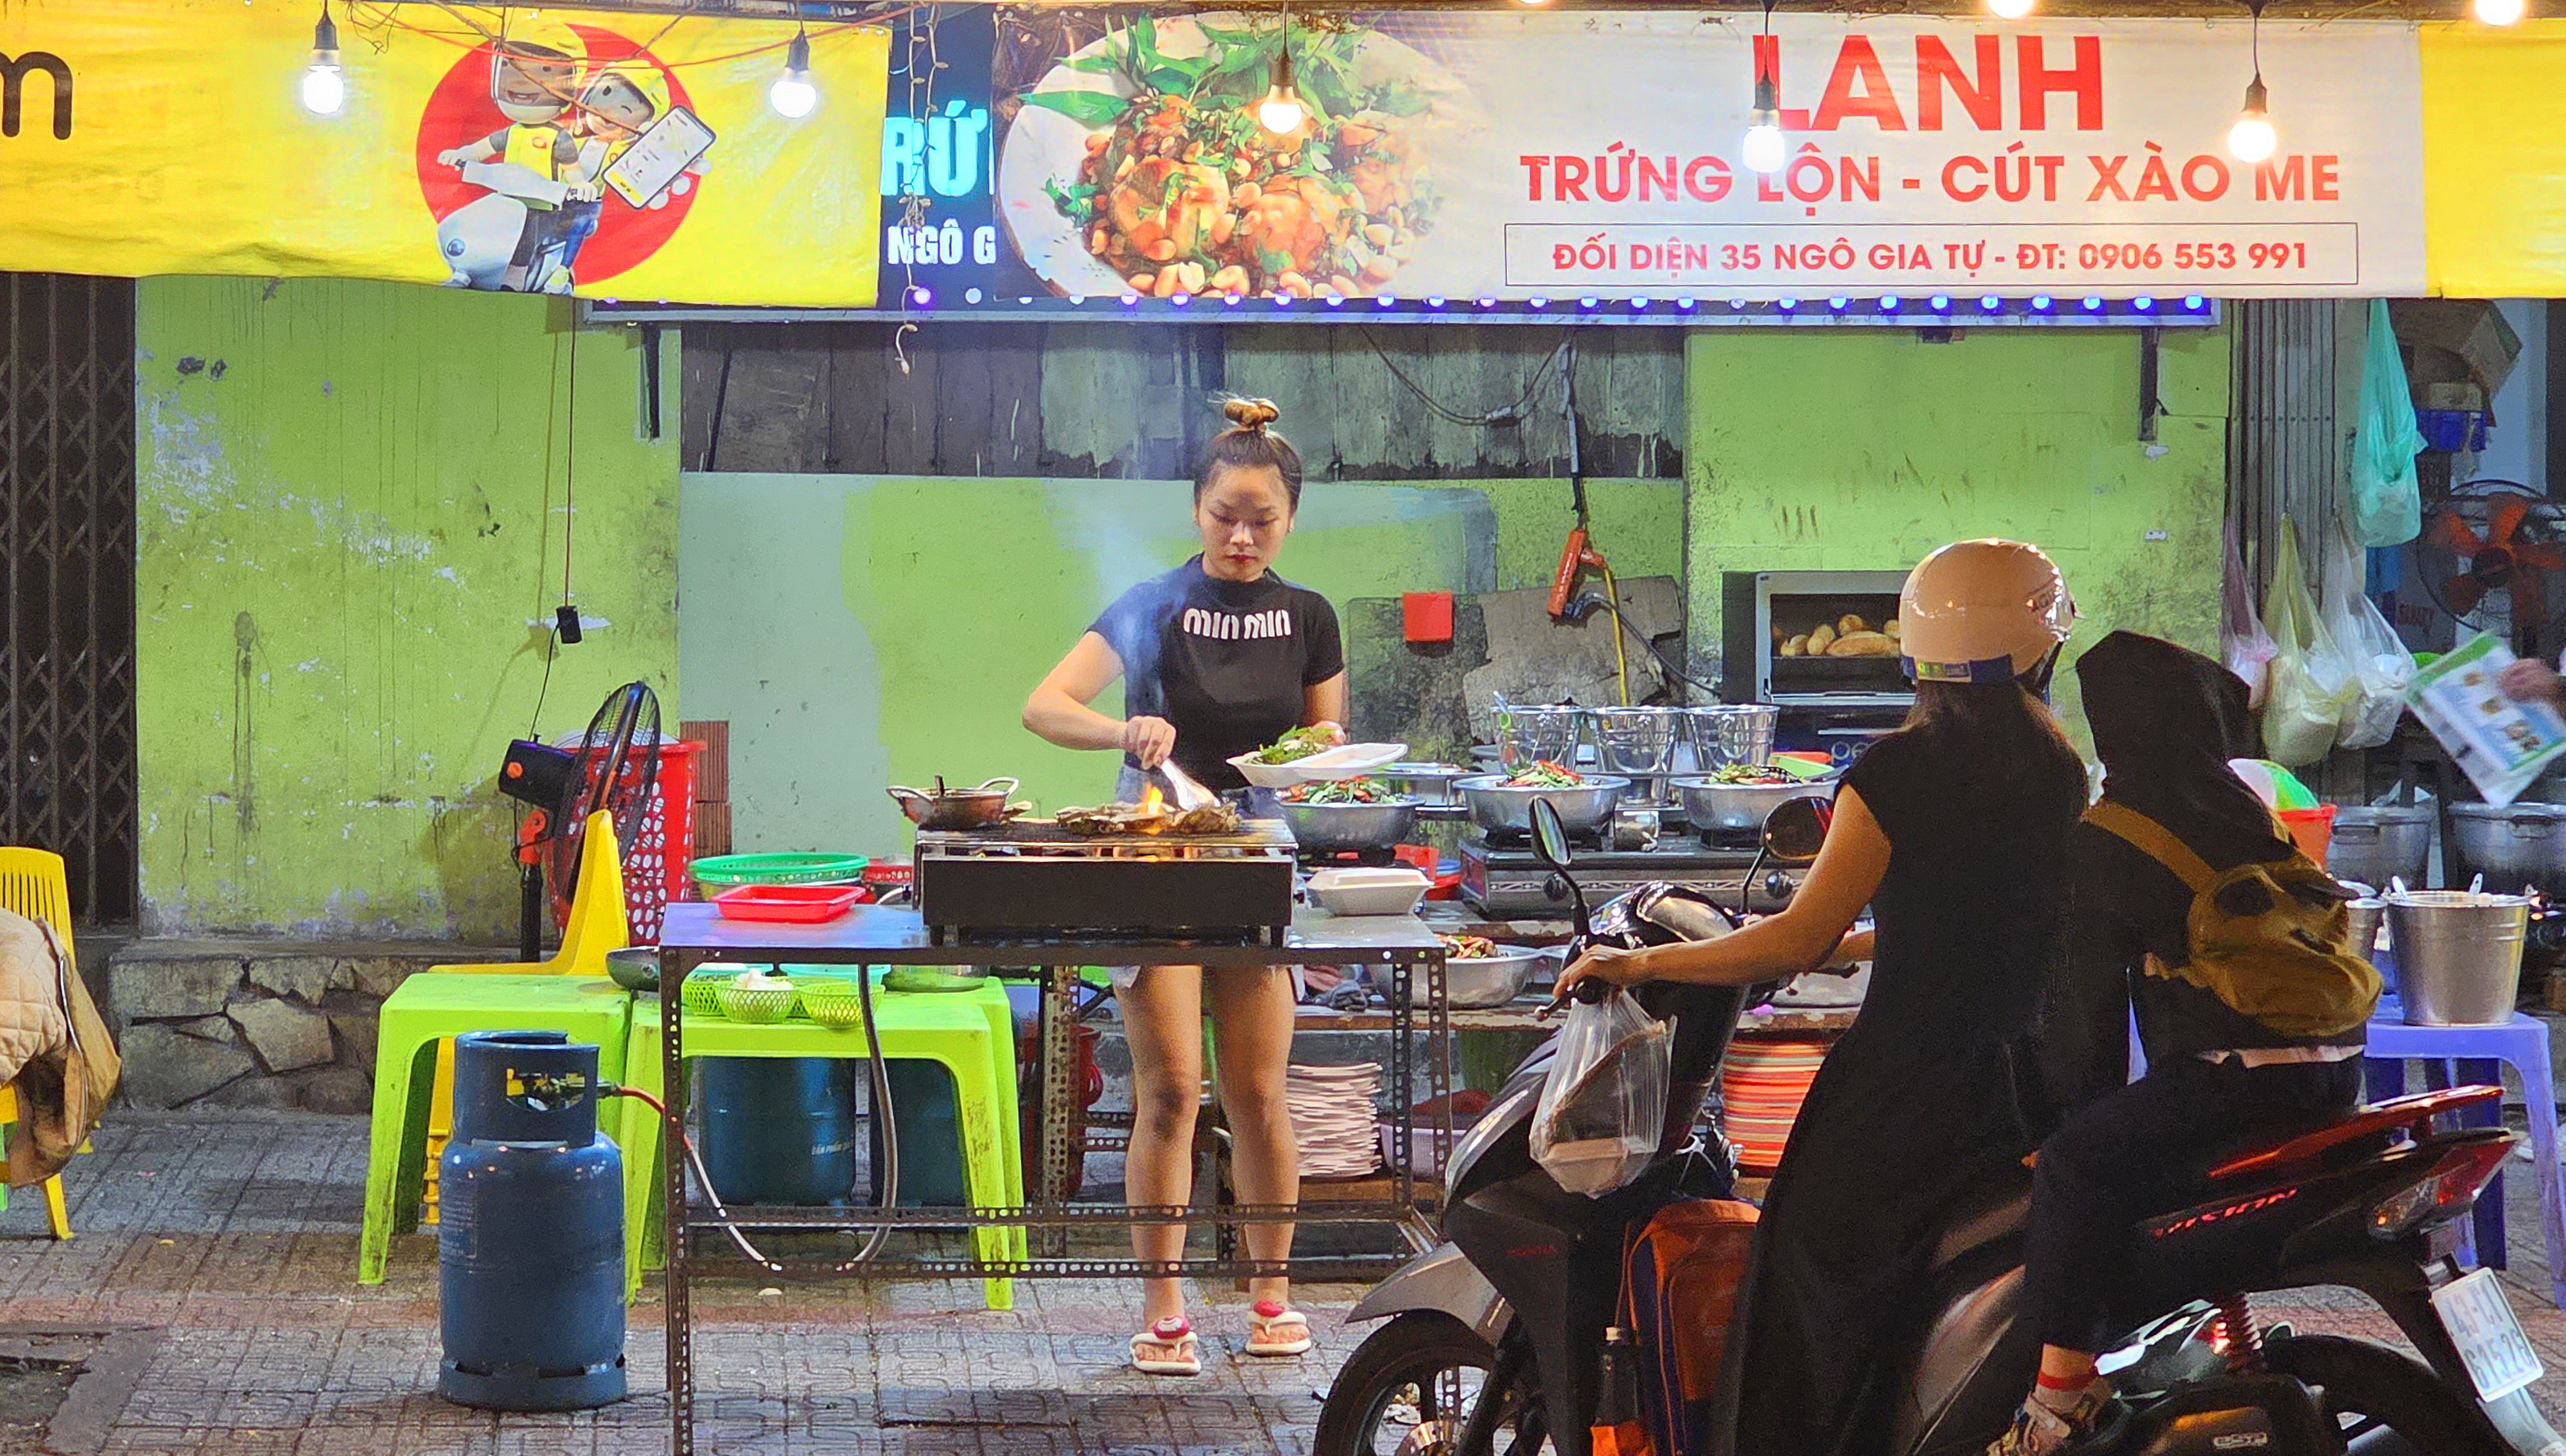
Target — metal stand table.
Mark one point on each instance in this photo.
(878, 935)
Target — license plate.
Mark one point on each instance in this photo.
(2480, 1322)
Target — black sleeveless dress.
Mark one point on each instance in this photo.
(1915, 1105)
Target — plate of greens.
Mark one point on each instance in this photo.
(1302, 756)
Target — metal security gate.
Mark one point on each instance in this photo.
(67, 527)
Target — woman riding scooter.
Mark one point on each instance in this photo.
(1953, 829)
(2173, 821)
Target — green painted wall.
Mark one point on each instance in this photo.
(352, 498)
(861, 630)
(1847, 450)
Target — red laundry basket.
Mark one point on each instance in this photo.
(655, 864)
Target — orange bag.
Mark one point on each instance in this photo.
(1680, 1279)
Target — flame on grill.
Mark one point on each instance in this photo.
(1152, 801)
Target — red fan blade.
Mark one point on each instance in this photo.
(2462, 592)
(2546, 556)
(2449, 531)
(2504, 515)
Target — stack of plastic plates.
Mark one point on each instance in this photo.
(1333, 1118)
(1761, 1086)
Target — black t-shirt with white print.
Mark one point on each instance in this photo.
(1225, 662)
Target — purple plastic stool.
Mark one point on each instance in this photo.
(2523, 1041)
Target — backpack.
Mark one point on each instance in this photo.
(2272, 941)
(1680, 1277)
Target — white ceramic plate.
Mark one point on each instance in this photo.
(1348, 761)
(1044, 146)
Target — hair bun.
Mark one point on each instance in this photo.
(1252, 414)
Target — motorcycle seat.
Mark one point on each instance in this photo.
(2359, 1133)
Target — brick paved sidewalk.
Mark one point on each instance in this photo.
(226, 1244)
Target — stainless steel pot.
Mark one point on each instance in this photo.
(1350, 826)
(2516, 846)
(1425, 783)
(2377, 844)
(2458, 955)
(1741, 808)
(1472, 984)
(1733, 733)
(958, 809)
(1639, 742)
(1532, 734)
(1582, 810)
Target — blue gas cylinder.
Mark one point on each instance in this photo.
(530, 1230)
(778, 1129)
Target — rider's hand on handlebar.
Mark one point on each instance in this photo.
(1849, 955)
(1605, 964)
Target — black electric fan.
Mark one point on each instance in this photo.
(614, 768)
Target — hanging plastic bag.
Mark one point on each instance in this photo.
(2380, 664)
(2247, 647)
(2312, 682)
(1603, 1104)
(2387, 501)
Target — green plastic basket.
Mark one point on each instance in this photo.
(833, 1003)
(701, 995)
(728, 871)
(761, 1005)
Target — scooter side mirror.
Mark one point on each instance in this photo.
(1797, 829)
(1549, 836)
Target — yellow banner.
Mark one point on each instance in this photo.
(616, 156)
(2494, 159)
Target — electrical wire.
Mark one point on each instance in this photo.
(1509, 414)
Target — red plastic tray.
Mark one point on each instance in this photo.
(1444, 874)
(788, 904)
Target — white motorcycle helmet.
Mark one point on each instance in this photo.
(1982, 611)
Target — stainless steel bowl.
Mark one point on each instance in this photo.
(1425, 783)
(1582, 810)
(1639, 742)
(1733, 733)
(1351, 826)
(1741, 808)
(1530, 734)
(1475, 984)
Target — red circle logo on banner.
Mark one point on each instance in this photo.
(461, 115)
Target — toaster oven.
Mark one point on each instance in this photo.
(1782, 635)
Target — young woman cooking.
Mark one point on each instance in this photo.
(1218, 657)
(1952, 830)
(2166, 722)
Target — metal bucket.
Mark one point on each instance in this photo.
(2516, 846)
(2458, 955)
(1639, 742)
(2376, 845)
(1735, 733)
(1534, 734)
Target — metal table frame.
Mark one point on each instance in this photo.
(877, 935)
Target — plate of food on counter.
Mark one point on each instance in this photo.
(1140, 162)
(1305, 755)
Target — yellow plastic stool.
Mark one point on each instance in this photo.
(33, 885)
(969, 1034)
(596, 926)
(432, 1006)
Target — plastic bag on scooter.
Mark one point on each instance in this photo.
(1604, 1102)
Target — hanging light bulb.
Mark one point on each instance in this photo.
(2252, 137)
(1765, 151)
(793, 95)
(324, 89)
(2500, 12)
(1281, 112)
(2010, 9)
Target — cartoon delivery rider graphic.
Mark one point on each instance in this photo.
(516, 238)
(622, 104)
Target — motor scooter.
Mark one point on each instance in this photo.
(1492, 1339)
(508, 238)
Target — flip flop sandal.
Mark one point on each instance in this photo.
(1274, 1331)
(1167, 1347)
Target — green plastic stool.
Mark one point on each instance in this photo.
(432, 1006)
(969, 1034)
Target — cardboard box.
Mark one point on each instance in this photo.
(2463, 394)
(2453, 341)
